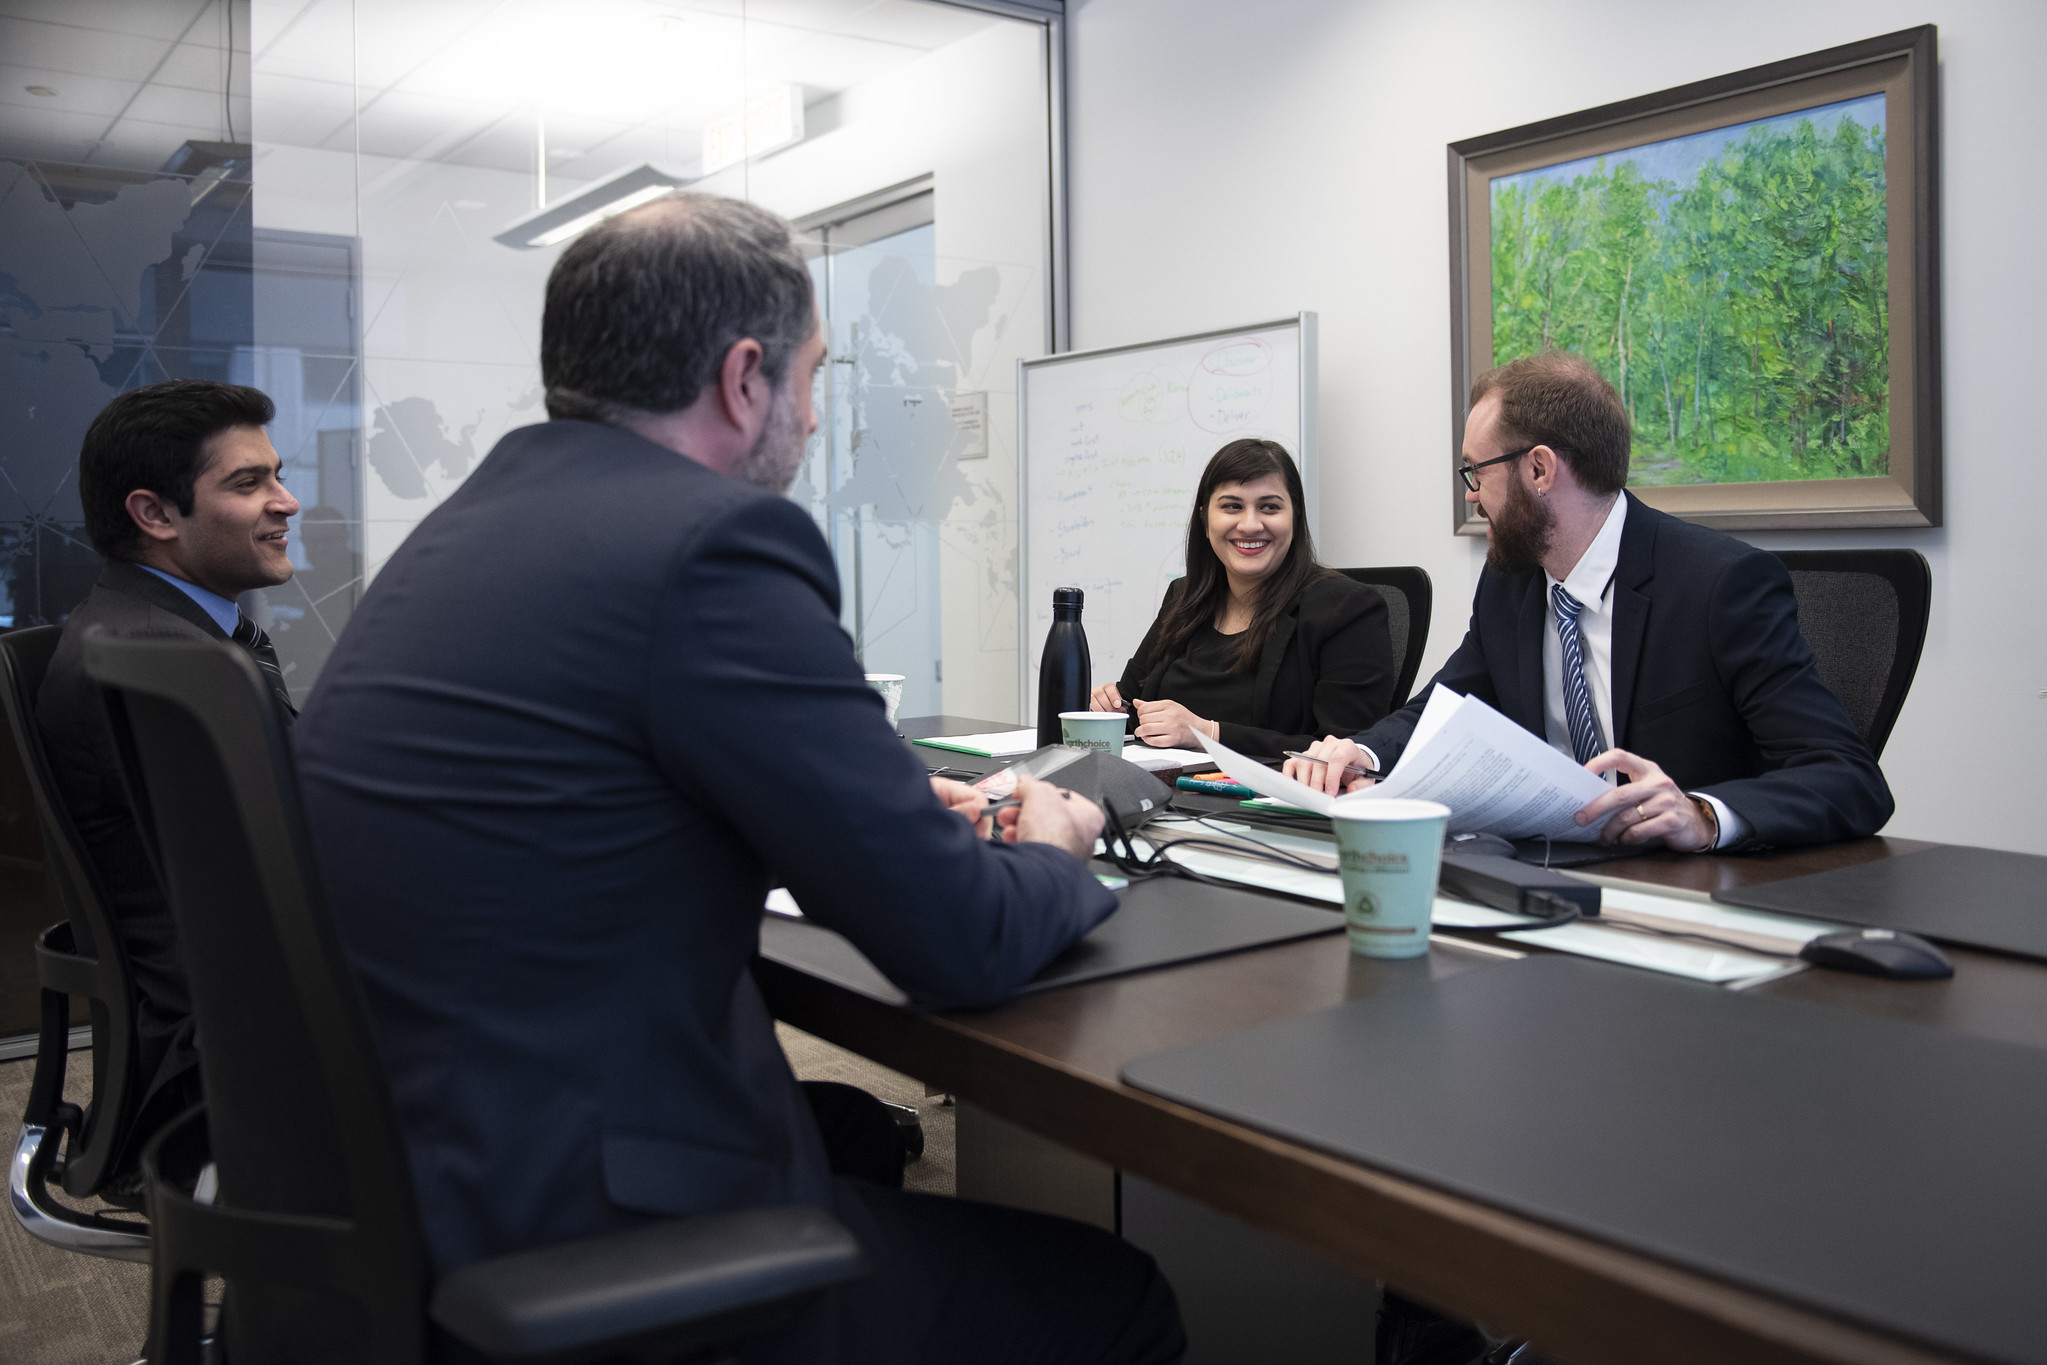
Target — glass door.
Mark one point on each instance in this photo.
(875, 478)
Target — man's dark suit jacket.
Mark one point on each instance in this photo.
(126, 600)
(1711, 681)
(1328, 668)
(598, 704)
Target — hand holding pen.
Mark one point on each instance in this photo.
(1332, 766)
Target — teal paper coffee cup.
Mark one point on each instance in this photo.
(890, 685)
(1388, 853)
(1100, 730)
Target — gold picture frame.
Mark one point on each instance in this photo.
(1878, 440)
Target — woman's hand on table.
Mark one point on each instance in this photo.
(1105, 698)
(1329, 776)
(965, 801)
(1169, 725)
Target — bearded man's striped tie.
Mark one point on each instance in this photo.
(1585, 740)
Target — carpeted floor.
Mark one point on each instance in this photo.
(57, 1308)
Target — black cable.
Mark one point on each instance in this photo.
(1123, 854)
(1561, 911)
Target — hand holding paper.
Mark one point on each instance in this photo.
(1495, 777)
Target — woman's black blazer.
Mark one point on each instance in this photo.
(1327, 670)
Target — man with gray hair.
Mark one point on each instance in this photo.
(595, 706)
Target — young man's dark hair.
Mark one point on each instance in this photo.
(154, 438)
(1557, 399)
(641, 309)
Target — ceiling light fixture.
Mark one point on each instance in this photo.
(609, 197)
(42, 90)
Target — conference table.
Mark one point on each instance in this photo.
(1050, 1062)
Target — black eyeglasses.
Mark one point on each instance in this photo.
(1469, 472)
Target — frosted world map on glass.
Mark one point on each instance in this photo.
(923, 532)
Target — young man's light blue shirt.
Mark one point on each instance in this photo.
(225, 614)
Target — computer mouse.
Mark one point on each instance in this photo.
(1879, 952)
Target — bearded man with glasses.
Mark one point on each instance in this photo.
(1644, 647)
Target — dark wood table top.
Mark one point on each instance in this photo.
(1051, 1061)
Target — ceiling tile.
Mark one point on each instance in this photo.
(62, 50)
(140, 18)
(94, 95)
(49, 134)
(167, 104)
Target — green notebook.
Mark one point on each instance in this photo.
(1281, 807)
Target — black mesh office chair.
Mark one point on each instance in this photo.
(1410, 601)
(1864, 613)
(292, 1181)
(74, 1147)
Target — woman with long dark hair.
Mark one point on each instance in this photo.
(1258, 646)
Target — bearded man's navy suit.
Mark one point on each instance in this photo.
(1712, 681)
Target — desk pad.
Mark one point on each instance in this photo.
(1974, 897)
(1161, 922)
(1882, 1171)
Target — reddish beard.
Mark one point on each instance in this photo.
(1520, 534)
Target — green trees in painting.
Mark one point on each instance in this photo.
(1743, 316)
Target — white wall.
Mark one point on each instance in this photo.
(1232, 162)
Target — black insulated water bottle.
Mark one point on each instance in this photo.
(1064, 674)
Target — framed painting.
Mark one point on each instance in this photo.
(1752, 260)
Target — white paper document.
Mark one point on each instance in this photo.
(1156, 760)
(1495, 777)
(1673, 957)
(997, 744)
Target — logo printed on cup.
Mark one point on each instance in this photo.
(1101, 731)
(1368, 860)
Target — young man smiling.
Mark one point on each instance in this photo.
(182, 495)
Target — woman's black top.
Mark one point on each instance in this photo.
(1202, 681)
(1327, 669)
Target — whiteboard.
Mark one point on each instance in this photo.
(1113, 444)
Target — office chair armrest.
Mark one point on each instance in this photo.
(677, 1286)
(61, 967)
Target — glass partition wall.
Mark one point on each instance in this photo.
(461, 145)
(353, 205)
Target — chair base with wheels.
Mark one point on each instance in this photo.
(48, 1122)
(63, 1146)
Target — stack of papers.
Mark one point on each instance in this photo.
(1495, 777)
